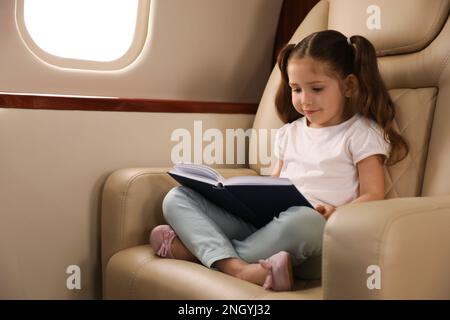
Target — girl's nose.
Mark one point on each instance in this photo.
(306, 100)
(306, 103)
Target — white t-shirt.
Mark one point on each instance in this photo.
(321, 162)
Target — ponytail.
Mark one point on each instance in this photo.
(372, 100)
(283, 98)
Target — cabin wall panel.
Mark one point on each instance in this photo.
(53, 167)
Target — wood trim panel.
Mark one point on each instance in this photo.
(56, 102)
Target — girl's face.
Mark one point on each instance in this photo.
(315, 94)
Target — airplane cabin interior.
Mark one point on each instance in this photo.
(100, 100)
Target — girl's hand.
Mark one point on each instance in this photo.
(325, 210)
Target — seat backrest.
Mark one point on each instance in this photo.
(412, 39)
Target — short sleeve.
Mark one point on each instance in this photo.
(367, 141)
(279, 146)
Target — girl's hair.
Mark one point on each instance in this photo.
(343, 56)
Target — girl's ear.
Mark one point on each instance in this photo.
(350, 85)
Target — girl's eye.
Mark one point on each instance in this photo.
(296, 90)
(317, 89)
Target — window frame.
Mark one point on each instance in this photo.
(136, 47)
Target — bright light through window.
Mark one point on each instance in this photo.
(96, 30)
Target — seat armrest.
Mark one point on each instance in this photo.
(132, 206)
(407, 238)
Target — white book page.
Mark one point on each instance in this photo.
(257, 180)
(197, 170)
(196, 178)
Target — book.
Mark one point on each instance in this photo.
(255, 199)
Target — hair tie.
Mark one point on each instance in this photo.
(349, 41)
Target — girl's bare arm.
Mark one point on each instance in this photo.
(277, 170)
(371, 179)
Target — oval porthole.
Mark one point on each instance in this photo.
(84, 34)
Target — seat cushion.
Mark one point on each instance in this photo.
(136, 273)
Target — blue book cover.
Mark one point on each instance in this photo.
(256, 199)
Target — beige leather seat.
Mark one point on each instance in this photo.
(405, 239)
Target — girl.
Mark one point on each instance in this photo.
(338, 137)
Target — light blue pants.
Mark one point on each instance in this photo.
(211, 233)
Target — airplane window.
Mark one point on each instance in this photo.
(96, 30)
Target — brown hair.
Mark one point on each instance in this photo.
(357, 57)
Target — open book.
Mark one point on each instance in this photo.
(256, 199)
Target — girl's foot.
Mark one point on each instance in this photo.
(254, 273)
(280, 276)
(274, 273)
(166, 244)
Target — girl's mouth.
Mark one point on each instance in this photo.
(310, 112)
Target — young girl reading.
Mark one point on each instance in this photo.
(337, 138)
